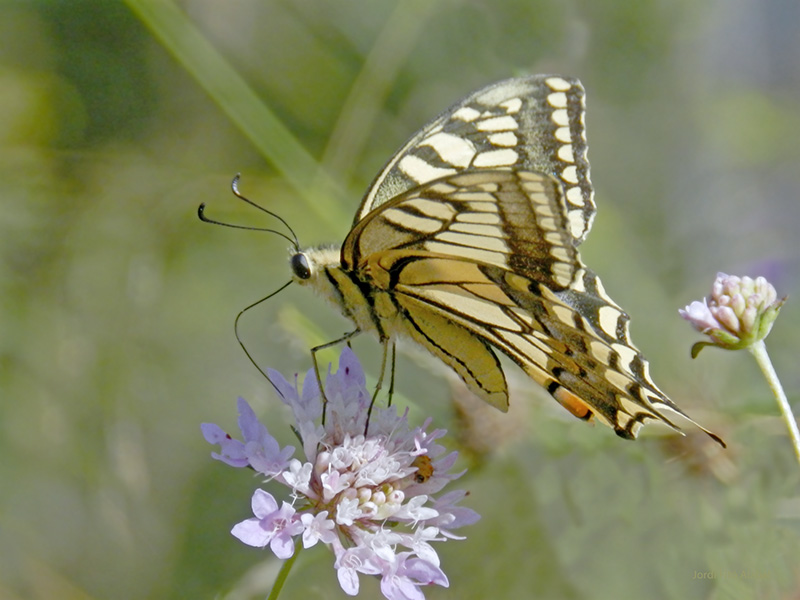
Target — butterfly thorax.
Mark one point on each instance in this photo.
(320, 268)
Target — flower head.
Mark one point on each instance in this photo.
(739, 313)
(366, 487)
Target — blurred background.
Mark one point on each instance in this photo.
(116, 326)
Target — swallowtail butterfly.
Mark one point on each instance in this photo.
(467, 243)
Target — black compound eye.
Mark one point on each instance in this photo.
(300, 266)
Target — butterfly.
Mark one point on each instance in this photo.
(467, 243)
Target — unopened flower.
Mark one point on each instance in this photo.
(739, 313)
(366, 487)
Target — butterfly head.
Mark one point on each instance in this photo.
(308, 264)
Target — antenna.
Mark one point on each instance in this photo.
(235, 188)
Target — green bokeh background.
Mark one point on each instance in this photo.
(118, 118)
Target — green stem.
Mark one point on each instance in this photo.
(282, 575)
(759, 351)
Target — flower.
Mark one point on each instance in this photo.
(366, 487)
(739, 313)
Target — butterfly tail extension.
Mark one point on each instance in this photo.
(591, 357)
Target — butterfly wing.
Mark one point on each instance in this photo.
(484, 259)
(527, 124)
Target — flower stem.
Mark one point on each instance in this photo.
(282, 575)
(759, 351)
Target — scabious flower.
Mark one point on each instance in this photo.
(739, 313)
(365, 488)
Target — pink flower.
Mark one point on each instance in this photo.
(739, 313)
(271, 525)
(366, 491)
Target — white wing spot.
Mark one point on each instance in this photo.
(497, 124)
(506, 139)
(479, 217)
(565, 154)
(557, 100)
(600, 351)
(475, 254)
(476, 180)
(543, 210)
(407, 220)
(619, 381)
(560, 117)
(578, 285)
(626, 356)
(483, 207)
(432, 208)
(565, 314)
(646, 370)
(577, 223)
(531, 176)
(535, 188)
(570, 175)
(563, 273)
(560, 253)
(601, 291)
(473, 196)
(473, 241)
(563, 134)
(442, 188)
(512, 105)
(452, 149)
(465, 113)
(575, 196)
(554, 237)
(477, 229)
(420, 171)
(558, 84)
(548, 224)
(608, 316)
(496, 158)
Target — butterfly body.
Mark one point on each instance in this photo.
(467, 243)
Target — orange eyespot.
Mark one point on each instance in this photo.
(424, 468)
(573, 404)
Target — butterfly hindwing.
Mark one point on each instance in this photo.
(485, 255)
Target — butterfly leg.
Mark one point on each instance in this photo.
(391, 374)
(345, 338)
(385, 344)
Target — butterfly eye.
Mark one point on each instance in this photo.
(300, 266)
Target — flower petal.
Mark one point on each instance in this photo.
(263, 504)
(252, 533)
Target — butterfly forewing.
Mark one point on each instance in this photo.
(511, 219)
(528, 124)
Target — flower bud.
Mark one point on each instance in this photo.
(739, 313)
